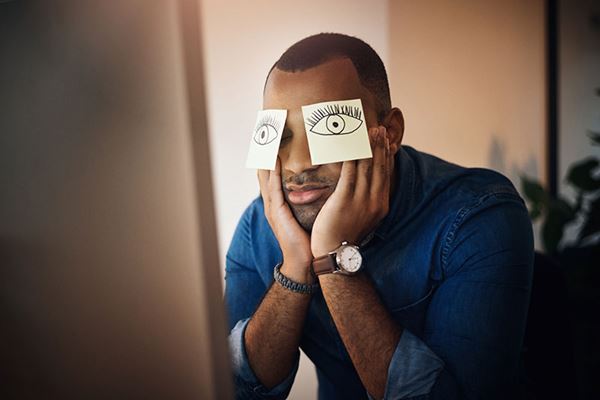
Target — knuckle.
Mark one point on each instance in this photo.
(351, 181)
(372, 209)
(384, 210)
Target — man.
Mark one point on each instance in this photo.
(438, 307)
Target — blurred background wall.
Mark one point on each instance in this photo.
(579, 87)
(468, 75)
(579, 44)
(470, 78)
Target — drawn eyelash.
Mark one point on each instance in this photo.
(269, 119)
(333, 109)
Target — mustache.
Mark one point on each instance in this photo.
(307, 177)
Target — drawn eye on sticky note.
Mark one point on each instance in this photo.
(266, 137)
(336, 131)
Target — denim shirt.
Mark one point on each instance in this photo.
(452, 263)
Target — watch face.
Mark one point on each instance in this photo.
(349, 258)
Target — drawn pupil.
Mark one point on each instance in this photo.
(335, 124)
(265, 134)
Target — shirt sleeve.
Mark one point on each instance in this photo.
(244, 289)
(476, 320)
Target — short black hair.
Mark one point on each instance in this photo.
(320, 48)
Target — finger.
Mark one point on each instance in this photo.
(388, 170)
(347, 181)
(365, 167)
(373, 134)
(379, 165)
(274, 185)
(263, 179)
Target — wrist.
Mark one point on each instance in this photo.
(291, 284)
(321, 251)
(330, 243)
(325, 248)
(298, 271)
(322, 248)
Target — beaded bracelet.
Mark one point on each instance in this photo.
(291, 285)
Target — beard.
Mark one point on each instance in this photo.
(306, 214)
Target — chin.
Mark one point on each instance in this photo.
(306, 215)
(307, 225)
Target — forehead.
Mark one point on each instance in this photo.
(333, 80)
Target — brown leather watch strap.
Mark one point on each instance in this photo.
(325, 264)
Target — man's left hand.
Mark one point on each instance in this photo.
(360, 200)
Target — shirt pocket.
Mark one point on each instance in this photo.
(412, 316)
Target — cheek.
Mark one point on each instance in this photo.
(332, 171)
(282, 152)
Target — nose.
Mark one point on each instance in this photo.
(295, 156)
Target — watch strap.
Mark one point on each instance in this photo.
(325, 264)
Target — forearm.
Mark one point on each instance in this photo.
(365, 326)
(273, 334)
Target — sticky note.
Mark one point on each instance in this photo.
(336, 131)
(266, 136)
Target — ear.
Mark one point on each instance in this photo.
(394, 123)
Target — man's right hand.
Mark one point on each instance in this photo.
(292, 238)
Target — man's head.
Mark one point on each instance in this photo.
(320, 68)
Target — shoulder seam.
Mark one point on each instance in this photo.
(462, 214)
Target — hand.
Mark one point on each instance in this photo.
(360, 200)
(293, 240)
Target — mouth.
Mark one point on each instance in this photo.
(305, 194)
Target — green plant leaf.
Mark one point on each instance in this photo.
(552, 232)
(559, 214)
(592, 223)
(535, 213)
(578, 203)
(595, 136)
(533, 191)
(581, 176)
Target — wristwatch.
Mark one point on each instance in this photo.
(345, 260)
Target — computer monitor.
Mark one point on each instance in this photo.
(110, 282)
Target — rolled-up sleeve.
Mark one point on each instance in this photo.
(247, 385)
(476, 319)
(413, 370)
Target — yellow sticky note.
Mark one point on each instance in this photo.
(336, 131)
(266, 136)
